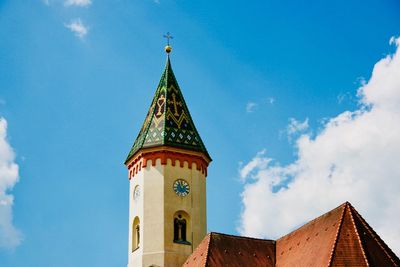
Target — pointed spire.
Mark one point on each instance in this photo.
(168, 121)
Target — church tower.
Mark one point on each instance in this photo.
(167, 169)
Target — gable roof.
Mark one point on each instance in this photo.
(311, 244)
(338, 238)
(227, 250)
(168, 121)
(376, 252)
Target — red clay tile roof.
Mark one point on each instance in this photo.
(348, 249)
(339, 238)
(375, 250)
(311, 244)
(199, 256)
(228, 250)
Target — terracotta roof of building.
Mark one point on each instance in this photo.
(339, 238)
(311, 244)
(376, 251)
(227, 250)
(168, 121)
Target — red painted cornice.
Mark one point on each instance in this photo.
(140, 160)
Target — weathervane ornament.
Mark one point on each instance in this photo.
(168, 48)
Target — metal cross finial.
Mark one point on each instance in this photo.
(168, 36)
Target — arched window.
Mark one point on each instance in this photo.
(135, 234)
(181, 225)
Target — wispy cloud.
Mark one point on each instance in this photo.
(341, 97)
(250, 107)
(81, 3)
(296, 127)
(258, 161)
(346, 98)
(355, 157)
(10, 237)
(271, 100)
(78, 28)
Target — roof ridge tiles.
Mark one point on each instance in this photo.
(386, 249)
(167, 68)
(357, 234)
(208, 249)
(344, 205)
(242, 237)
(194, 256)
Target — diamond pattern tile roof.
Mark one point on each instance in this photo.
(168, 121)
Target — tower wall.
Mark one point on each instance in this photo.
(157, 205)
(148, 206)
(194, 204)
(167, 156)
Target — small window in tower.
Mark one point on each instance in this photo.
(135, 234)
(181, 229)
(138, 234)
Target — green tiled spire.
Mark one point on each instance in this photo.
(168, 122)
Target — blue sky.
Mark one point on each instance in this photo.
(74, 104)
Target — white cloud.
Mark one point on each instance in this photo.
(10, 237)
(258, 161)
(250, 107)
(355, 157)
(78, 28)
(342, 97)
(81, 3)
(296, 127)
(394, 40)
(271, 100)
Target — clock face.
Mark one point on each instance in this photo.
(136, 192)
(181, 188)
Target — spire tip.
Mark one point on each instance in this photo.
(168, 48)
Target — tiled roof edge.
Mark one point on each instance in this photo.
(243, 237)
(208, 249)
(376, 237)
(203, 148)
(168, 68)
(310, 222)
(339, 226)
(358, 235)
(134, 149)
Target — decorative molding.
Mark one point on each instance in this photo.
(141, 159)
